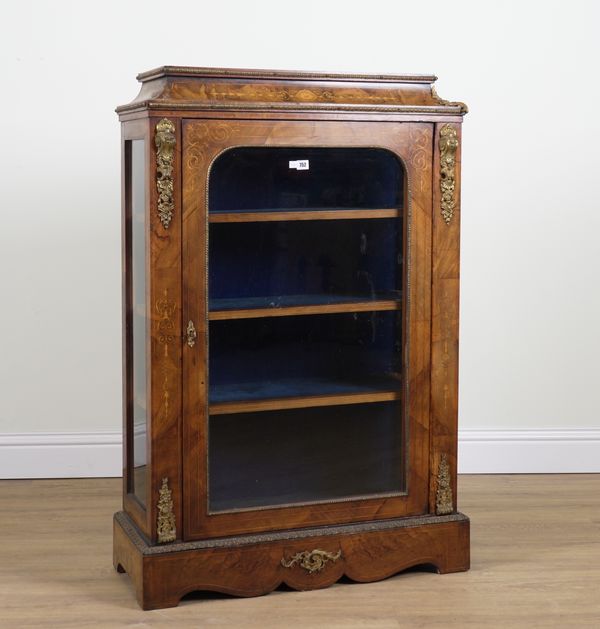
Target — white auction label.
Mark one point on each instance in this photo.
(299, 164)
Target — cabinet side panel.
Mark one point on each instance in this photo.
(165, 317)
(133, 131)
(445, 307)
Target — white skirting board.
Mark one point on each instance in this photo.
(61, 455)
(98, 454)
(547, 451)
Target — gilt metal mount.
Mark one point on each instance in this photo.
(165, 526)
(312, 561)
(448, 148)
(164, 141)
(443, 496)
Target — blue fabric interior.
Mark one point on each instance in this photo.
(286, 263)
(299, 262)
(260, 178)
(303, 355)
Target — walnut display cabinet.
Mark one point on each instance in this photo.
(290, 331)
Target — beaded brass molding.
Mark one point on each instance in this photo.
(311, 561)
(165, 71)
(448, 148)
(164, 140)
(277, 536)
(443, 496)
(165, 528)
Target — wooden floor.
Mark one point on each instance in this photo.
(535, 563)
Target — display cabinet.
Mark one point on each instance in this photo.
(290, 331)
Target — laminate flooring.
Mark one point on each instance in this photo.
(535, 556)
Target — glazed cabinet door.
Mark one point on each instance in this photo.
(307, 317)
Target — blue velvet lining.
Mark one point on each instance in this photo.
(318, 354)
(277, 260)
(260, 178)
(286, 263)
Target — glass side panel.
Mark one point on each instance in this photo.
(137, 265)
(324, 354)
(306, 455)
(286, 263)
(275, 178)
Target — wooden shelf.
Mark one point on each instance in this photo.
(301, 215)
(248, 406)
(302, 393)
(289, 305)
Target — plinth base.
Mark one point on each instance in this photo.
(305, 559)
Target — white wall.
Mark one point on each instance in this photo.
(530, 213)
